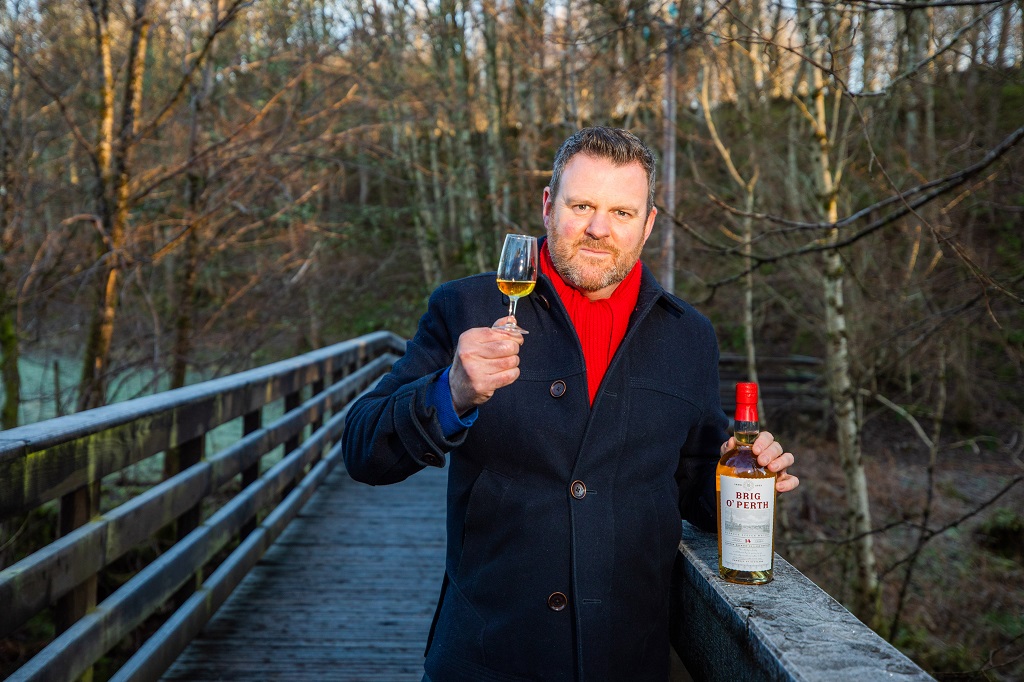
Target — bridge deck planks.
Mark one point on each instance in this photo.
(346, 593)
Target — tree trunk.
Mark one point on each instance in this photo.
(9, 353)
(867, 54)
(438, 206)
(794, 143)
(996, 96)
(423, 220)
(112, 195)
(529, 18)
(466, 173)
(9, 345)
(930, 83)
(571, 112)
(916, 36)
(1005, 19)
(867, 600)
(186, 308)
(668, 175)
(189, 268)
(496, 183)
(92, 385)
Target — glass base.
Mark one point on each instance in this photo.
(510, 327)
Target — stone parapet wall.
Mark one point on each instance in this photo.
(789, 629)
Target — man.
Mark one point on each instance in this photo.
(573, 453)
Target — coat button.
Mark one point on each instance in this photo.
(557, 601)
(578, 490)
(431, 459)
(557, 389)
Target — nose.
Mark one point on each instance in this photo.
(599, 226)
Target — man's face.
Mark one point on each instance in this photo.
(598, 223)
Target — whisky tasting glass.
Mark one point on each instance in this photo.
(517, 274)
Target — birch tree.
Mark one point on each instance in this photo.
(827, 156)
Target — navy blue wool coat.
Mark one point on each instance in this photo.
(521, 528)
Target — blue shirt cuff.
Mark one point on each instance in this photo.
(441, 399)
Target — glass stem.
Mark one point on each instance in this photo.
(512, 300)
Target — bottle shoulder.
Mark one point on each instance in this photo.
(740, 462)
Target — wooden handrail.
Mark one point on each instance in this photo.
(37, 466)
(43, 461)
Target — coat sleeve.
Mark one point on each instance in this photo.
(698, 458)
(393, 430)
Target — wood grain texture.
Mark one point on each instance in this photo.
(346, 593)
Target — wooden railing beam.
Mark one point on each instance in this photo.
(41, 462)
(89, 638)
(75, 558)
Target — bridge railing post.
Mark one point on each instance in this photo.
(291, 401)
(316, 388)
(76, 509)
(251, 422)
(187, 454)
(176, 460)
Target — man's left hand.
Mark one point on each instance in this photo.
(771, 456)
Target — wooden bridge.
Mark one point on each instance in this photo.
(263, 561)
(348, 590)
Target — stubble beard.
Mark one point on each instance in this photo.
(571, 265)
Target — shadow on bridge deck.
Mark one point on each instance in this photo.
(346, 592)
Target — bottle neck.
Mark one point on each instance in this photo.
(746, 431)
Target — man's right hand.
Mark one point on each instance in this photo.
(485, 360)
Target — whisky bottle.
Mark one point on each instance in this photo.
(746, 501)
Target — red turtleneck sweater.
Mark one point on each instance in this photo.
(600, 325)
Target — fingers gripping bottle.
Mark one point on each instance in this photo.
(746, 501)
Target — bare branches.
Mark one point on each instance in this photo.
(950, 44)
(895, 5)
(922, 195)
(223, 22)
(57, 99)
(929, 533)
(939, 187)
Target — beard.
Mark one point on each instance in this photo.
(587, 274)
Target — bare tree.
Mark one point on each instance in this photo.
(10, 96)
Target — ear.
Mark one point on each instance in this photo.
(546, 206)
(649, 226)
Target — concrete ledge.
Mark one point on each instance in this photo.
(789, 629)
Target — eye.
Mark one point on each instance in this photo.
(623, 214)
(580, 208)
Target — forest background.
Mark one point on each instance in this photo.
(189, 188)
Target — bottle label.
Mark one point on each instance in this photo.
(747, 518)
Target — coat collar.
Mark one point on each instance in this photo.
(651, 292)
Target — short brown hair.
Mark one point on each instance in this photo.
(621, 147)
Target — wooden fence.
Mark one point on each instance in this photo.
(789, 384)
(201, 504)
